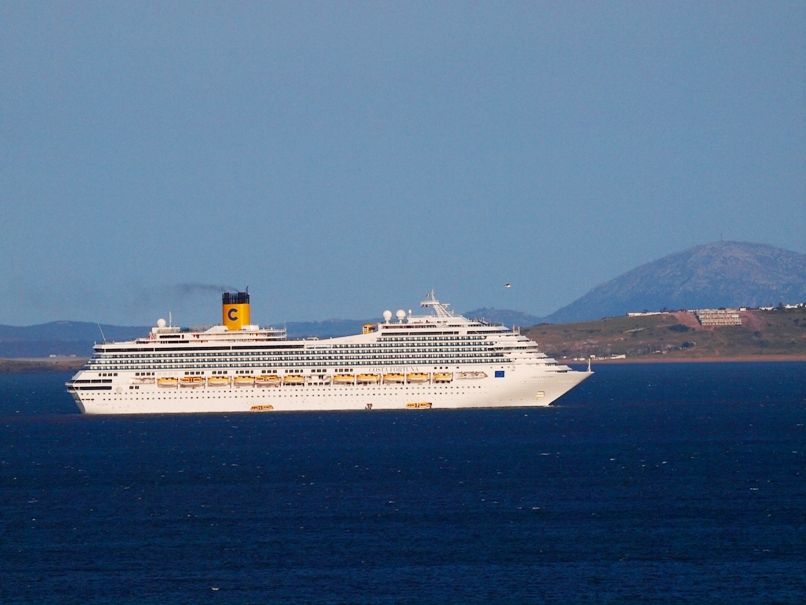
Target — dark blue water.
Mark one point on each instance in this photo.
(647, 484)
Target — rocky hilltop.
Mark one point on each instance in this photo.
(718, 274)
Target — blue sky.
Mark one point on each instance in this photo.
(344, 158)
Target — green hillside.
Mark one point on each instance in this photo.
(678, 335)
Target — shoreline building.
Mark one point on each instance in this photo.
(718, 317)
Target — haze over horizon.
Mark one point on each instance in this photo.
(342, 159)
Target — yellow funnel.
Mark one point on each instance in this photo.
(235, 310)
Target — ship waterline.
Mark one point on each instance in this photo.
(436, 360)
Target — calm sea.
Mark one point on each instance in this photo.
(647, 484)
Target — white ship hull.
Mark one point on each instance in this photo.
(517, 389)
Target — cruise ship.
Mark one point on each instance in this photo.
(407, 361)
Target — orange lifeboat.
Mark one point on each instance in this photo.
(368, 378)
(267, 380)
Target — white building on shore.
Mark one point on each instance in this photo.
(718, 317)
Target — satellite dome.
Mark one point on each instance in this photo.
(387, 315)
(401, 314)
(160, 323)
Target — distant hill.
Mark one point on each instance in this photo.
(718, 274)
(61, 338)
(70, 330)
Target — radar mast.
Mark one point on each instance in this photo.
(442, 310)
